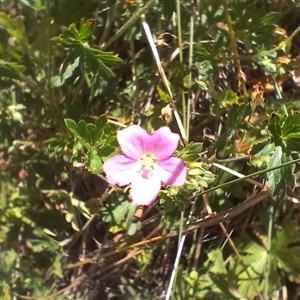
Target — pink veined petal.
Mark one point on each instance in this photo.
(134, 141)
(120, 169)
(145, 189)
(163, 143)
(172, 171)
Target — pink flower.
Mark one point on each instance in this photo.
(147, 161)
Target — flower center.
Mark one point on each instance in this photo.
(148, 162)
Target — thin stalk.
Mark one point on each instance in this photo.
(191, 49)
(280, 47)
(109, 21)
(178, 15)
(164, 79)
(186, 116)
(136, 16)
(48, 30)
(235, 49)
(246, 177)
(271, 210)
(181, 239)
(269, 243)
(279, 96)
(134, 77)
(202, 223)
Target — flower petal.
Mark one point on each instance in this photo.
(163, 143)
(134, 141)
(172, 171)
(120, 169)
(145, 189)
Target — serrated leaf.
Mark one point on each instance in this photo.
(290, 132)
(167, 202)
(57, 266)
(94, 163)
(281, 249)
(217, 262)
(286, 131)
(163, 95)
(191, 152)
(255, 259)
(117, 215)
(228, 98)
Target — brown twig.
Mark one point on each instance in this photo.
(202, 223)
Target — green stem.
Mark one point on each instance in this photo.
(282, 45)
(269, 243)
(235, 49)
(191, 48)
(48, 30)
(136, 16)
(247, 176)
(279, 96)
(109, 21)
(178, 13)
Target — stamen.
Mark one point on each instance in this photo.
(148, 161)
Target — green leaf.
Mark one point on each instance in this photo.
(228, 98)
(72, 125)
(133, 228)
(15, 27)
(121, 211)
(100, 123)
(94, 63)
(260, 158)
(237, 115)
(255, 260)
(67, 72)
(270, 18)
(80, 206)
(290, 132)
(191, 152)
(57, 265)
(8, 259)
(9, 69)
(162, 94)
(216, 258)
(280, 180)
(82, 132)
(281, 249)
(95, 164)
(168, 7)
(224, 144)
(167, 202)
(286, 131)
(91, 132)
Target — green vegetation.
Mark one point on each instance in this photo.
(75, 72)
